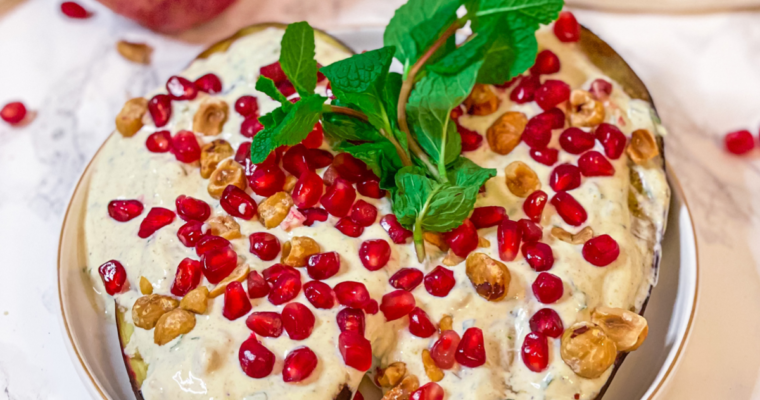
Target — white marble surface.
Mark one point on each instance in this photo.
(703, 72)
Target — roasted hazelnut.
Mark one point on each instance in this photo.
(431, 370)
(446, 324)
(145, 286)
(436, 239)
(392, 375)
(211, 116)
(172, 324)
(227, 173)
(404, 390)
(224, 226)
(521, 179)
(274, 209)
(136, 52)
(129, 120)
(451, 259)
(574, 238)
(483, 242)
(196, 300)
(148, 309)
(584, 110)
(505, 133)
(642, 147)
(482, 100)
(239, 274)
(212, 154)
(300, 248)
(587, 350)
(489, 277)
(627, 329)
(290, 183)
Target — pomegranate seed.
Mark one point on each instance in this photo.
(124, 210)
(397, 304)
(601, 89)
(444, 349)
(236, 302)
(264, 245)
(508, 239)
(190, 233)
(74, 10)
(739, 142)
(537, 133)
(185, 147)
(287, 89)
(547, 288)
(420, 324)
(13, 112)
(255, 359)
(352, 294)
(601, 250)
(315, 137)
(611, 139)
(247, 106)
(330, 175)
(569, 209)
(160, 109)
(209, 242)
(266, 181)
(209, 83)
(567, 28)
(257, 286)
(547, 322)
(351, 319)
(397, 233)
(471, 140)
(507, 84)
(593, 163)
(372, 308)
(308, 190)
(534, 205)
(251, 126)
(339, 197)
(374, 254)
(274, 72)
(218, 263)
(552, 93)
(313, 215)
(486, 217)
(299, 364)
(456, 112)
(554, 117)
(547, 156)
(113, 275)
(471, 352)
(298, 321)
(294, 161)
(285, 288)
(349, 167)
(323, 265)
(576, 141)
(318, 158)
(192, 209)
(159, 142)
(356, 350)
(535, 351)
(265, 323)
(370, 188)
(349, 227)
(156, 219)
(546, 63)
(565, 177)
(363, 213)
(539, 256)
(530, 231)
(319, 294)
(525, 90)
(238, 203)
(187, 277)
(272, 273)
(428, 391)
(462, 239)
(180, 88)
(440, 281)
(407, 279)
(358, 396)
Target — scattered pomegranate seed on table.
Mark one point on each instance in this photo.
(739, 142)
(298, 321)
(299, 364)
(255, 359)
(265, 323)
(74, 10)
(187, 277)
(236, 302)
(601, 250)
(113, 275)
(13, 113)
(294, 161)
(547, 322)
(318, 158)
(319, 294)
(275, 271)
(535, 351)
(124, 210)
(566, 28)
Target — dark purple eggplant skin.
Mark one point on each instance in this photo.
(127, 365)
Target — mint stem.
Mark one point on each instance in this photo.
(419, 240)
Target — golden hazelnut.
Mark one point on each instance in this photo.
(148, 309)
(196, 300)
(212, 154)
(172, 324)
(489, 277)
(521, 179)
(482, 100)
(505, 133)
(274, 209)
(627, 329)
(587, 350)
(227, 173)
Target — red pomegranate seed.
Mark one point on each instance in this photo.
(339, 197)
(567, 28)
(601, 250)
(370, 188)
(535, 351)
(299, 364)
(444, 349)
(356, 350)
(349, 167)
(285, 288)
(471, 352)
(530, 231)
(358, 396)
(576, 141)
(13, 112)
(352, 294)
(192, 209)
(160, 109)
(251, 126)
(547, 322)
(601, 89)
(440, 281)
(428, 391)
(372, 308)
(537, 133)
(612, 139)
(462, 239)
(313, 215)
(257, 286)
(554, 117)
(508, 238)
(180, 88)
(407, 279)
(363, 213)
(565, 177)
(456, 112)
(308, 190)
(287, 89)
(569, 209)
(294, 161)
(351, 319)
(397, 304)
(113, 275)
(323, 265)
(247, 106)
(266, 181)
(547, 156)
(264, 245)
(593, 163)
(547, 288)
(74, 10)
(486, 217)
(546, 63)
(265, 323)
(209, 242)
(318, 158)
(159, 142)
(739, 142)
(156, 219)
(330, 175)
(420, 324)
(124, 210)
(298, 321)
(552, 93)
(525, 90)
(218, 263)
(274, 72)
(396, 231)
(236, 302)
(374, 254)
(238, 203)
(190, 233)
(349, 227)
(315, 137)
(209, 83)
(255, 359)
(539, 256)
(534, 205)
(319, 294)
(185, 147)
(271, 274)
(187, 277)
(471, 140)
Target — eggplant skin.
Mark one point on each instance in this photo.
(136, 367)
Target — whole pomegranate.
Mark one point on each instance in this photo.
(168, 16)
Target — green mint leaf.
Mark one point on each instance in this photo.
(267, 86)
(380, 156)
(413, 188)
(537, 12)
(448, 207)
(471, 51)
(464, 172)
(339, 127)
(297, 57)
(292, 129)
(274, 118)
(390, 94)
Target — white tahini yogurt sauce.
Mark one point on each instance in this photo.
(203, 364)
